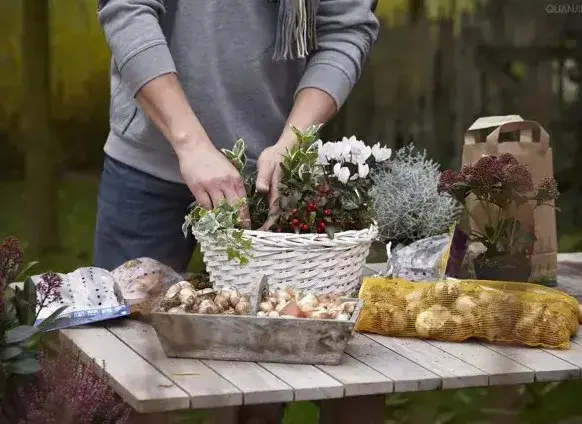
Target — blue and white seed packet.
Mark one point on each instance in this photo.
(88, 294)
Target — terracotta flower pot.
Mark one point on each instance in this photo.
(503, 268)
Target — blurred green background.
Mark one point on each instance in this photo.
(437, 66)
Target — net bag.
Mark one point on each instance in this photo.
(517, 313)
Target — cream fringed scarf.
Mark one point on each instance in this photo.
(296, 36)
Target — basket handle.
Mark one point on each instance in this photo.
(525, 135)
(260, 288)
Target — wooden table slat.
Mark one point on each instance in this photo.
(206, 388)
(133, 378)
(546, 367)
(501, 369)
(373, 365)
(308, 382)
(256, 383)
(455, 373)
(406, 375)
(572, 355)
(358, 378)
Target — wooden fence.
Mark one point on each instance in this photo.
(428, 79)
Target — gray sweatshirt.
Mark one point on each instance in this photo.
(222, 53)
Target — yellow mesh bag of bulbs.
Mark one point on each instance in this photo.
(518, 313)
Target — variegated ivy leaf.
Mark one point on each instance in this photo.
(208, 224)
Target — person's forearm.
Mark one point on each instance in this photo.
(312, 106)
(147, 69)
(165, 103)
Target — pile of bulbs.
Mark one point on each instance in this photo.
(292, 304)
(182, 297)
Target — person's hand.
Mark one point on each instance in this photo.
(211, 177)
(269, 176)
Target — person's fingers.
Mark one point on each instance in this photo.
(216, 195)
(202, 198)
(232, 197)
(273, 198)
(264, 176)
(239, 188)
(269, 223)
(245, 216)
(274, 189)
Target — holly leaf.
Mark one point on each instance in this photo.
(20, 334)
(24, 366)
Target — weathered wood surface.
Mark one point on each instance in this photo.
(251, 338)
(454, 372)
(137, 382)
(570, 274)
(204, 386)
(372, 365)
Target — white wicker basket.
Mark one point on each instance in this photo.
(311, 262)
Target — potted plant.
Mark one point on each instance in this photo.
(412, 215)
(408, 204)
(20, 338)
(322, 231)
(498, 197)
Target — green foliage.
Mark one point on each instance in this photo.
(224, 226)
(311, 197)
(506, 236)
(19, 337)
(492, 192)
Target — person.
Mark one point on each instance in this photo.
(190, 77)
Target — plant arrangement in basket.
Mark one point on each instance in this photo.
(500, 186)
(325, 189)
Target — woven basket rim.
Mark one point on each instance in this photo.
(292, 239)
(372, 230)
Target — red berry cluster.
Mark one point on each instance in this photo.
(308, 218)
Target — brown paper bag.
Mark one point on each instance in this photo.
(537, 156)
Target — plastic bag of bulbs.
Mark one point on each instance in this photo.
(456, 310)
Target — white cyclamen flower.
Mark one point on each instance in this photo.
(359, 152)
(332, 151)
(341, 173)
(363, 170)
(381, 153)
(321, 152)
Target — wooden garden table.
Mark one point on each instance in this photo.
(372, 367)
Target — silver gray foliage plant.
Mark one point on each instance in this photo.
(407, 204)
